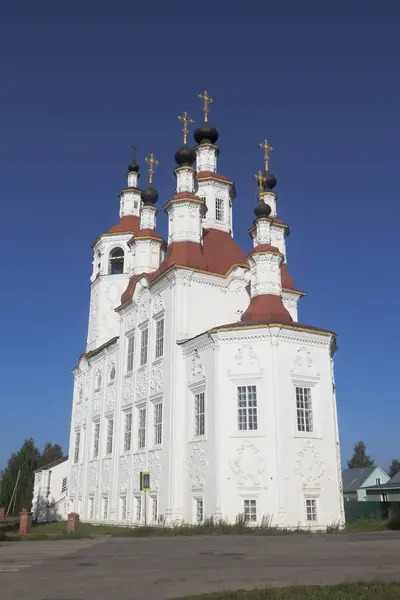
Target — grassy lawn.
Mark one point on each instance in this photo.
(349, 591)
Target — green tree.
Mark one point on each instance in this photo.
(24, 462)
(50, 453)
(360, 457)
(394, 467)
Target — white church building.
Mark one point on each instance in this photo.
(197, 369)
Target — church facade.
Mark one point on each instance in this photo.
(197, 369)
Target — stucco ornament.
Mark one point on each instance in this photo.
(309, 467)
(124, 469)
(157, 378)
(96, 402)
(138, 465)
(127, 393)
(158, 304)
(141, 385)
(130, 320)
(93, 311)
(106, 475)
(304, 364)
(155, 469)
(113, 296)
(249, 466)
(198, 466)
(143, 312)
(73, 484)
(93, 476)
(196, 369)
(246, 361)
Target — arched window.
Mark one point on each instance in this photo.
(219, 209)
(112, 374)
(116, 261)
(98, 380)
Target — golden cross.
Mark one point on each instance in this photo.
(259, 178)
(207, 100)
(152, 162)
(267, 149)
(186, 121)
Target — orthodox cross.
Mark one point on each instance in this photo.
(152, 162)
(259, 178)
(207, 100)
(184, 117)
(267, 149)
(134, 149)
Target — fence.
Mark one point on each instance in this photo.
(369, 510)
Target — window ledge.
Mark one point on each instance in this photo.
(308, 435)
(198, 438)
(158, 360)
(249, 434)
(155, 447)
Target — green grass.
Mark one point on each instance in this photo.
(350, 591)
(365, 524)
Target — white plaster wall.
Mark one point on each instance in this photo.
(48, 501)
(211, 189)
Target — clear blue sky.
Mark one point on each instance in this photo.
(81, 81)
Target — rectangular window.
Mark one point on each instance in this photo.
(199, 510)
(159, 338)
(142, 428)
(96, 440)
(311, 508)
(384, 497)
(158, 408)
(304, 410)
(138, 508)
(154, 509)
(250, 510)
(247, 407)
(77, 444)
(123, 508)
(219, 209)
(110, 433)
(105, 508)
(199, 414)
(128, 432)
(91, 508)
(378, 481)
(64, 485)
(144, 342)
(131, 350)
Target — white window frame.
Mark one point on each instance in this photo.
(199, 510)
(311, 510)
(247, 408)
(250, 510)
(110, 437)
(144, 346)
(123, 500)
(96, 439)
(304, 408)
(154, 508)
(64, 485)
(142, 427)
(378, 481)
(77, 445)
(91, 507)
(160, 328)
(105, 508)
(219, 209)
(128, 421)
(138, 509)
(158, 422)
(130, 354)
(199, 413)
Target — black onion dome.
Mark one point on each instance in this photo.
(206, 133)
(269, 181)
(185, 156)
(149, 195)
(133, 168)
(262, 209)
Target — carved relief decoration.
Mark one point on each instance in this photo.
(249, 466)
(309, 467)
(141, 384)
(143, 312)
(94, 304)
(154, 466)
(96, 402)
(246, 361)
(106, 475)
(124, 471)
(157, 379)
(110, 398)
(158, 304)
(138, 465)
(198, 466)
(196, 369)
(130, 320)
(73, 483)
(93, 476)
(113, 296)
(127, 393)
(304, 365)
(80, 480)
